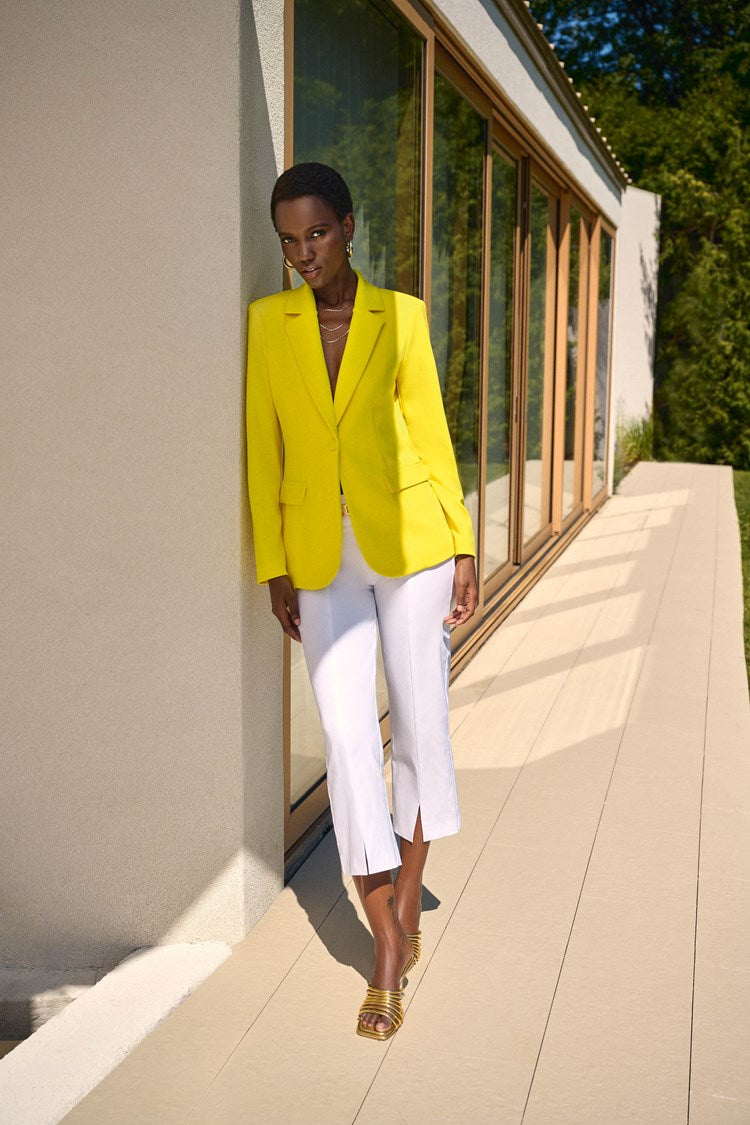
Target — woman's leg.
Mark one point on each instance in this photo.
(416, 656)
(393, 949)
(339, 637)
(408, 885)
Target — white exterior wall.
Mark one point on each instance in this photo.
(634, 327)
(490, 38)
(142, 795)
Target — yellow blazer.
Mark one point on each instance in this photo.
(383, 437)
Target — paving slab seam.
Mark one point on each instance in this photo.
(596, 831)
(579, 890)
(548, 610)
(263, 1007)
(544, 610)
(469, 876)
(500, 667)
(612, 588)
(610, 593)
(570, 931)
(609, 597)
(440, 938)
(717, 510)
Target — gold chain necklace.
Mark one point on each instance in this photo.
(333, 327)
(336, 338)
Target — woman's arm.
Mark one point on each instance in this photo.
(284, 605)
(422, 407)
(465, 591)
(264, 455)
(264, 472)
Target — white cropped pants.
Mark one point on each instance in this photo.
(338, 628)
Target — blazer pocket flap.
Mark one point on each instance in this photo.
(403, 476)
(292, 491)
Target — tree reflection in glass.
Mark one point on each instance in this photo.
(499, 389)
(535, 491)
(571, 366)
(358, 107)
(601, 393)
(457, 273)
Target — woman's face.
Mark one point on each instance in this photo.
(314, 238)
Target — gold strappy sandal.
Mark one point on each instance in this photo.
(382, 1002)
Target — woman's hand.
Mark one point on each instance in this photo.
(284, 604)
(464, 591)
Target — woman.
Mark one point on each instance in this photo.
(359, 525)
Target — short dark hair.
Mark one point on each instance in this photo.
(311, 178)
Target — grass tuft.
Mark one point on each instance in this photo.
(634, 441)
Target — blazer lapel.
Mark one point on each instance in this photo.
(301, 322)
(368, 317)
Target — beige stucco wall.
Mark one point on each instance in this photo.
(142, 782)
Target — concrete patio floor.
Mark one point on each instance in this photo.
(586, 936)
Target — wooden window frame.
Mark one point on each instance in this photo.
(525, 549)
(311, 807)
(444, 51)
(450, 69)
(592, 500)
(568, 203)
(502, 143)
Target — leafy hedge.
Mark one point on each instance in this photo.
(669, 85)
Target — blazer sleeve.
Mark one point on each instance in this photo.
(421, 401)
(264, 455)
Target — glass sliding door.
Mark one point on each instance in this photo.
(517, 272)
(601, 382)
(542, 265)
(575, 358)
(456, 304)
(358, 107)
(497, 499)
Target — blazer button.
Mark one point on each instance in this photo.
(333, 444)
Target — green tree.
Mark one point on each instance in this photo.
(668, 84)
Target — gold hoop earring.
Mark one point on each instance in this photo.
(349, 248)
(287, 263)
